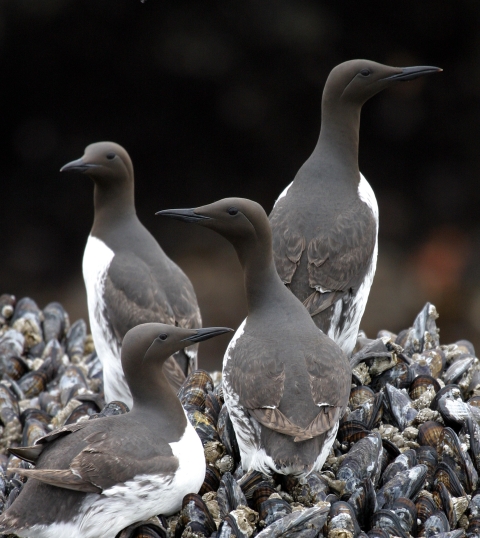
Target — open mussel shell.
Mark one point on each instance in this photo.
(421, 384)
(195, 515)
(429, 433)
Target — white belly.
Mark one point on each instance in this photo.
(96, 261)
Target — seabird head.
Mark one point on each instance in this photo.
(104, 162)
(356, 81)
(155, 342)
(234, 218)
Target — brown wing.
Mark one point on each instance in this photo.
(338, 258)
(104, 459)
(288, 246)
(276, 420)
(132, 295)
(257, 378)
(324, 421)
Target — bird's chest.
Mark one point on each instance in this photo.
(96, 261)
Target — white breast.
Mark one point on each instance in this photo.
(96, 261)
(282, 194)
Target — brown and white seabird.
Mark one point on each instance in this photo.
(128, 277)
(286, 384)
(95, 478)
(325, 223)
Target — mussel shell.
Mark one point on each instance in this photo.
(428, 456)
(75, 340)
(229, 495)
(311, 490)
(444, 473)
(195, 514)
(204, 426)
(86, 409)
(378, 533)
(55, 322)
(352, 431)
(360, 395)
(473, 530)
(436, 524)
(390, 452)
(363, 461)
(450, 451)
(211, 480)
(199, 379)
(404, 461)
(260, 494)
(14, 367)
(227, 435)
(399, 407)
(429, 433)
(425, 508)
(446, 391)
(273, 509)
(457, 369)
(364, 502)
(342, 516)
(212, 406)
(405, 484)
(400, 376)
(301, 524)
(33, 430)
(33, 383)
(111, 409)
(389, 522)
(421, 384)
(444, 500)
(249, 482)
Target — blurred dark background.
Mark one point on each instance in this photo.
(215, 99)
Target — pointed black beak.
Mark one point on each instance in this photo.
(77, 166)
(411, 73)
(187, 215)
(205, 334)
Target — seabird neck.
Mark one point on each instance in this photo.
(113, 202)
(337, 146)
(262, 283)
(156, 401)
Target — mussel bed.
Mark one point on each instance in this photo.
(405, 461)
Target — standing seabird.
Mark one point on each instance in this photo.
(325, 223)
(286, 384)
(128, 277)
(95, 478)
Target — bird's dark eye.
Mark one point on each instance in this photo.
(232, 210)
(163, 336)
(365, 72)
(110, 156)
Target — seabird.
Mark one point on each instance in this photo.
(286, 384)
(96, 477)
(325, 223)
(128, 277)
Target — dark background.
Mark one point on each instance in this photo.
(216, 99)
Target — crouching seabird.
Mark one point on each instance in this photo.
(128, 277)
(325, 223)
(95, 478)
(286, 384)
